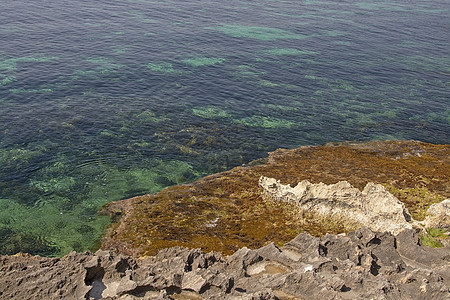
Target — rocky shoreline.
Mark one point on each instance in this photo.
(311, 241)
(361, 265)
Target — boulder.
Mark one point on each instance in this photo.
(374, 207)
(438, 215)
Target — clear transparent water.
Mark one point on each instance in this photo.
(105, 100)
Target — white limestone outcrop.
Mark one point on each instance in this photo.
(374, 207)
(438, 216)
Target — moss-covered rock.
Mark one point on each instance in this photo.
(225, 211)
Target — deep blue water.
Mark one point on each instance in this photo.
(104, 100)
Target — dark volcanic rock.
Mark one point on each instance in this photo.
(362, 265)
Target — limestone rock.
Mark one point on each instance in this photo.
(438, 215)
(374, 206)
(362, 265)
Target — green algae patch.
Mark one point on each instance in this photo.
(28, 228)
(24, 91)
(429, 241)
(108, 133)
(290, 51)
(437, 233)
(101, 66)
(226, 211)
(279, 107)
(432, 238)
(108, 63)
(6, 80)
(333, 33)
(147, 116)
(210, 112)
(426, 63)
(265, 122)
(203, 61)
(259, 33)
(418, 199)
(120, 50)
(268, 83)
(163, 67)
(54, 184)
(11, 64)
(56, 211)
(16, 154)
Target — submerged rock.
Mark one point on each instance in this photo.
(374, 206)
(362, 265)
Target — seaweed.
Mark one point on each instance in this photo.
(182, 215)
(19, 241)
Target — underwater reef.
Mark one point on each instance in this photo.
(227, 211)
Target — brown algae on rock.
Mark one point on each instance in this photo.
(225, 211)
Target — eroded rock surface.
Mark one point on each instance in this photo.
(374, 207)
(361, 265)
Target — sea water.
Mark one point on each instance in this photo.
(108, 99)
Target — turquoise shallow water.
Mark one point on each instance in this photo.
(105, 100)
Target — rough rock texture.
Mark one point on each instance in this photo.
(225, 212)
(438, 215)
(362, 265)
(374, 206)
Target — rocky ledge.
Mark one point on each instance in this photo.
(361, 265)
(227, 211)
(374, 207)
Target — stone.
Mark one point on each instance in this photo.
(417, 256)
(241, 259)
(438, 216)
(374, 207)
(193, 282)
(302, 247)
(361, 265)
